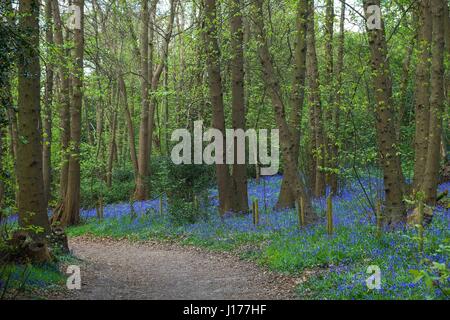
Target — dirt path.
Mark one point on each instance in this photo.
(125, 270)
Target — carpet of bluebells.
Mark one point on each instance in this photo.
(337, 265)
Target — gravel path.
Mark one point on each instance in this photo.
(126, 270)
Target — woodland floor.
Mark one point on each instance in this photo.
(122, 269)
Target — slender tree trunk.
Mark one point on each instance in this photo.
(287, 198)
(141, 192)
(330, 139)
(130, 126)
(338, 102)
(402, 101)
(431, 176)
(112, 151)
(385, 125)
(112, 143)
(99, 117)
(216, 96)
(64, 97)
(316, 105)
(71, 211)
(32, 207)
(151, 53)
(12, 125)
(12, 119)
(48, 100)
(286, 139)
(155, 76)
(239, 176)
(422, 91)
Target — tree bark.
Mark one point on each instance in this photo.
(319, 151)
(216, 96)
(64, 97)
(431, 176)
(12, 120)
(385, 125)
(239, 175)
(286, 139)
(71, 209)
(32, 207)
(141, 192)
(112, 143)
(130, 126)
(155, 76)
(338, 102)
(48, 100)
(330, 134)
(422, 90)
(286, 198)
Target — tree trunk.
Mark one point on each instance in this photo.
(130, 126)
(431, 176)
(64, 99)
(385, 125)
(151, 77)
(239, 175)
(287, 199)
(155, 76)
(286, 139)
(141, 192)
(338, 102)
(112, 143)
(216, 96)
(422, 91)
(12, 119)
(32, 207)
(319, 152)
(330, 134)
(71, 210)
(48, 100)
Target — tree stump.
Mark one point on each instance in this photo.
(37, 252)
(58, 240)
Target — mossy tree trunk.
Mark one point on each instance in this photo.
(31, 201)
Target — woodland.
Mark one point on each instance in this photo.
(92, 91)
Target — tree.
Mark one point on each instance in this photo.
(70, 213)
(64, 100)
(130, 126)
(339, 95)
(431, 175)
(156, 75)
(143, 156)
(48, 99)
(239, 175)
(317, 129)
(286, 139)
(331, 150)
(31, 200)
(422, 91)
(389, 157)
(287, 198)
(216, 97)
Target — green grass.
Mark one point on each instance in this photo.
(26, 280)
